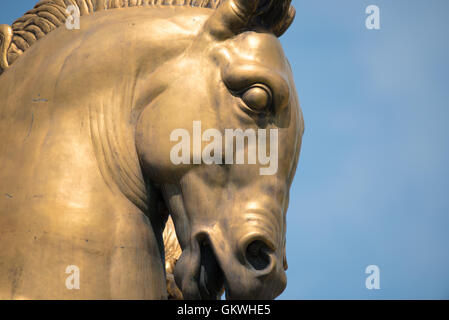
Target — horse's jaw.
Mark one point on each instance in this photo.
(197, 272)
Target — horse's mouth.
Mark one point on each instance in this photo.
(211, 277)
(198, 273)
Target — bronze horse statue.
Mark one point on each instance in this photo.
(86, 177)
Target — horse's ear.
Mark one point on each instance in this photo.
(5, 41)
(235, 16)
(231, 18)
(285, 23)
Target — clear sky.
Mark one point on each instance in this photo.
(373, 179)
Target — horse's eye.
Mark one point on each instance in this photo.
(258, 98)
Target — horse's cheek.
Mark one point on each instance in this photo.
(154, 147)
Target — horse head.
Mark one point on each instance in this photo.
(233, 82)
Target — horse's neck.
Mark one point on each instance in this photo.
(69, 167)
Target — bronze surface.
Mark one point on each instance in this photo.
(86, 177)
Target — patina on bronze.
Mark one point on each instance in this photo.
(86, 177)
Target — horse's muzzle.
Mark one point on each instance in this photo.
(258, 273)
(249, 270)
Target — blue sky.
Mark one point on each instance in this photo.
(373, 179)
(372, 186)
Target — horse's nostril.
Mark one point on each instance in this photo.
(257, 255)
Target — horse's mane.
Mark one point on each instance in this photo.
(48, 15)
